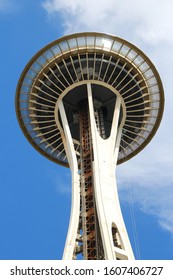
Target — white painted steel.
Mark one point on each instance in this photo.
(106, 194)
(75, 207)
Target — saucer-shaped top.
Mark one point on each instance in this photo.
(106, 61)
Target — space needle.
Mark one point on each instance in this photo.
(90, 101)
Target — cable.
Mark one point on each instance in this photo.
(134, 228)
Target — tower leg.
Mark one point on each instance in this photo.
(105, 151)
(70, 246)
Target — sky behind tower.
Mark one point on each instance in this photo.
(35, 193)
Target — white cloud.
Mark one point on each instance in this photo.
(151, 184)
(151, 20)
(148, 24)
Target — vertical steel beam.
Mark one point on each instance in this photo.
(113, 232)
(70, 246)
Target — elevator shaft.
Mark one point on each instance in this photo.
(92, 243)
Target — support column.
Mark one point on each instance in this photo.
(70, 246)
(105, 152)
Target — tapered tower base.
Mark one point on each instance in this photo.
(100, 232)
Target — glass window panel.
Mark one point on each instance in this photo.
(25, 89)
(23, 104)
(144, 133)
(31, 73)
(72, 43)
(128, 151)
(81, 41)
(152, 81)
(25, 113)
(140, 140)
(36, 67)
(154, 89)
(148, 73)
(155, 96)
(36, 140)
(132, 54)
(43, 145)
(154, 112)
(151, 121)
(138, 60)
(27, 81)
(116, 46)
(48, 54)
(90, 41)
(42, 60)
(99, 42)
(27, 123)
(134, 145)
(144, 66)
(124, 50)
(23, 96)
(29, 127)
(149, 127)
(64, 46)
(107, 44)
(56, 50)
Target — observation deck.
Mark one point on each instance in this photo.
(113, 67)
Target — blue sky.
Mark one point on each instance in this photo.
(35, 192)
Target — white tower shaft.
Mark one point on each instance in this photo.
(96, 230)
